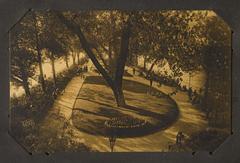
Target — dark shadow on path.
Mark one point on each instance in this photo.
(95, 124)
(101, 107)
(128, 85)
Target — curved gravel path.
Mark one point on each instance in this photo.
(190, 120)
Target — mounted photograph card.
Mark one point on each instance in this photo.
(108, 83)
(120, 81)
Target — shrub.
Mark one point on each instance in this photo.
(33, 110)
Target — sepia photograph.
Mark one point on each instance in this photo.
(120, 81)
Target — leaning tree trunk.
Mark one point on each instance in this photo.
(116, 84)
(102, 59)
(121, 61)
(119, 96)
(53, 70)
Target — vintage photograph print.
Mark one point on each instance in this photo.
(120, 81)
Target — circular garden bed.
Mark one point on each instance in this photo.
(144, 114)
(125, 126)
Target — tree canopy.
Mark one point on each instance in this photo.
(183, 39)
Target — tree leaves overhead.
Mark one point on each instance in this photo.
(186, 40)
(54, 46)
(23, 59)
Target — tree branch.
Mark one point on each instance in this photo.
(86, 46)
(101, 57)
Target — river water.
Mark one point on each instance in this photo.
(196, 80)
(60, 65)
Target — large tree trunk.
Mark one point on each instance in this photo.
(121, 61)
(119, 96)
(102, 59)
(86, 47)
(110, 59)
(116, 84)
(53, 70)
(110, 50)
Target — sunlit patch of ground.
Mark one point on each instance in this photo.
(96, 104)
(55, 132)
(190, 119)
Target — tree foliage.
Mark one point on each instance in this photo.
(186, 40)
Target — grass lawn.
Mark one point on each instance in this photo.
(96, 104)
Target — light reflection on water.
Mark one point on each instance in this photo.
(197, 79)
(60, 65)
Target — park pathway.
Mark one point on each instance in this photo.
(190, 120)
(58, 117)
